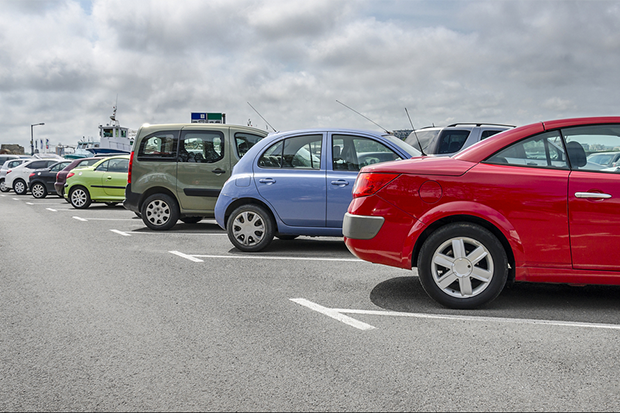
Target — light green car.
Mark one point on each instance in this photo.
(104, 181)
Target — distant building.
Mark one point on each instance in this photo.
(11, 148)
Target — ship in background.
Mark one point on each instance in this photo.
(114, 139)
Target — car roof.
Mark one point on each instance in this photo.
(148, 128)
(484, 149)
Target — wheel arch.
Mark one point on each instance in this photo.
(495, 230)
(158, 190)
(245, 201)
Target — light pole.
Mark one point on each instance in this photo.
(32, 137)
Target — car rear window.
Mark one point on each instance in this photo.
(159, 146)
(451, 141)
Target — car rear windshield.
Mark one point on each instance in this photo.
(451, 141)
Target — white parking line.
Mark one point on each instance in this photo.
(330, 312)
(338, 312)
(263, 257)
(80, 219)
(120, 233)
(189, 257)
(52, 209)
(162, 233)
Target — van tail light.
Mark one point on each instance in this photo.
(70, 174)
(368, 183)
(130, 167)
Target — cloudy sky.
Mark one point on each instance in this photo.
(66, 62)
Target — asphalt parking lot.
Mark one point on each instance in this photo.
(97, 312)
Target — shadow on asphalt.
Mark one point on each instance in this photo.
(592, 303)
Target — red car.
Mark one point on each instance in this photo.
(61, 176)
(528, 204)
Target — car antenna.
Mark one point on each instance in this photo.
(386, 131)
(414, 133)
(263, 118)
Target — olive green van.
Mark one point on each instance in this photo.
(176, 171)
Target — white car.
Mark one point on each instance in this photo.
(17, 178)
(9, 164)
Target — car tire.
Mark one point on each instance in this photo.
(38, 190)
(191, 220)
(470, 277)
(3, 187)
(160, 212)
(250, 228)
(79, 197)
(20, 187)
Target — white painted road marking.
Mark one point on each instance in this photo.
(127, 234)
(120, 232)
(335, 314)
(556, 323)
(189, 257)
(80, 219)
(51, 209)
(262, 257)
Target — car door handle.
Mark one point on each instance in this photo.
(218, 171)
(340, 182)
(268, 181)
(592, 195)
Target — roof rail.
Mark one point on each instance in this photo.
(480, 124)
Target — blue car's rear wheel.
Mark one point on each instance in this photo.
(250, 228)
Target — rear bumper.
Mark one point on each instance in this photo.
(132, 200)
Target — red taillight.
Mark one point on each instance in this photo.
(9, 171)
(31, 175)
(130, 166)
(367, 183)
(70, 174)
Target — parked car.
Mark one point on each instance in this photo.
(41, 182)
(8, 157)
(448, 140)
(103, 181)
(61, 176)
(524, 205)
(9, 164)
(17, 177)
(177, 171)
(299, 183)
(605, 159)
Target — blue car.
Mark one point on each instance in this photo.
(299, 183)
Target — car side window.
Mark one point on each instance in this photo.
(118, 165)
(488, 133)
(103, 166)
(545, 150)
(37, 165)
(244, 141)
(594, 148)
(159, 146)
(201, 146)
(300, 152)
(351, 153)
